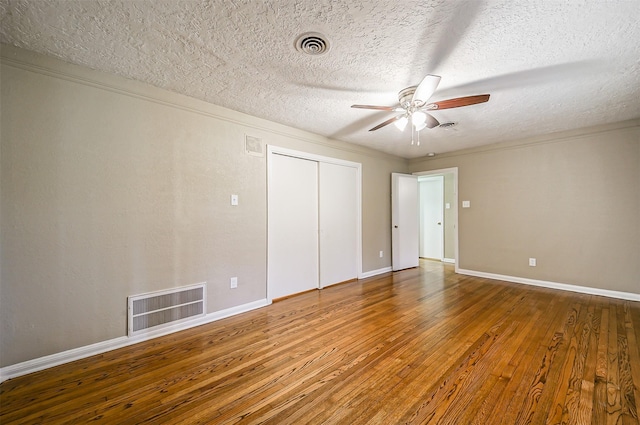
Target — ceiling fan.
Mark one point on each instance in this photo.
(414, 106)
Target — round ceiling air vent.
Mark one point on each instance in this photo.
(312, 43)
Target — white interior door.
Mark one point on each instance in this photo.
(293, 226)
(405, 229)
(432, 217)
(338, 223)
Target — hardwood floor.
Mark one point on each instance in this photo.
(419, 346)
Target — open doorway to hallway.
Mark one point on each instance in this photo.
(439, 214)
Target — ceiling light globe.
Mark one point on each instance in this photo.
(401, 123)
(418, 118)
(420, 126)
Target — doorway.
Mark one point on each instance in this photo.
(449, 221)
(431, 210)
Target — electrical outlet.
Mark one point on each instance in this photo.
(233, 282)
(381, 254)
(532, 262)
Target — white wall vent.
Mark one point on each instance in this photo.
(253, 146)
(155, 310)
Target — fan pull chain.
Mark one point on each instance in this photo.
(416, 132)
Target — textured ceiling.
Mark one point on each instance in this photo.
(549, 65)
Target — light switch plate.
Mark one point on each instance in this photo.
(234, 200)
(466, 204)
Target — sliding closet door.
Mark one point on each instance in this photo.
(338, 223)
(293, 226)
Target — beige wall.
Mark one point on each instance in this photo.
(449, 217)
(112, 188)
(572, 201)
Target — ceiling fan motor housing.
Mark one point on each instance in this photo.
(405, 96)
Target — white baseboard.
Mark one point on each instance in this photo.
(372, 273)
(555, 285)
(449, 260)
(56, 359)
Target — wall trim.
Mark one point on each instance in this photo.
(555, 285)
(41, 363)
(372, 273)
(550, 138)
(449, 260)
(43, 64)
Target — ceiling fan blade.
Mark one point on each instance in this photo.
(387, 122)
(461, 101)
(380, 108)
(457, 21)
(431, 121)
(426, 88)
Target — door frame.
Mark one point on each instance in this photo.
(454, 171)
(271, 150)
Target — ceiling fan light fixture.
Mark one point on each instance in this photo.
(414, 104)
(401, 123)
(418, 118)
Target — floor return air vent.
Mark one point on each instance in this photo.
(157, 310)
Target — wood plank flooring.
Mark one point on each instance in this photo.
(414, 347)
